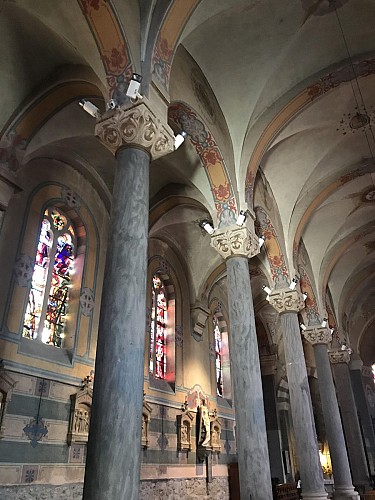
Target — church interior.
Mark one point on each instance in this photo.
(187, 244)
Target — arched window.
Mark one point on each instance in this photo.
(158, 329)
(218, 357)
(49, 293)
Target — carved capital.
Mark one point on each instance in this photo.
(339, 357)
(317, 335)
(286, 300)
(138, 125)
(367, 371)
(236, 240)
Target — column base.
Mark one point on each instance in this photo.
(307, 495)
(345, 492)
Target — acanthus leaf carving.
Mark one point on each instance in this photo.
(339, 356)
(286, 300)
(317, 335)
(236, 241)
(137, 125)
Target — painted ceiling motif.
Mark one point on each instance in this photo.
(278, 118)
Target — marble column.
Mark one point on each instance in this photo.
(288, 303)
(319, 338)
(136, 135)
(362, 383)
(357, 458)
(237, 245)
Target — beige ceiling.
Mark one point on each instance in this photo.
(255, 56)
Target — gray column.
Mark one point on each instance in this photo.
(320, 337)
(113, 454)
(272, 427)
(362, 402)
(288, 303)
(237, 244)
(349, 418)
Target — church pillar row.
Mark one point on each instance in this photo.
(136, 136)
(288, 303)
(362, 383)
(357, 458)
(319, 337)
(237, 245)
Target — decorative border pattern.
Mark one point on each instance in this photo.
(168, 37)
(311, 306)
(323, 85)
(111, 43)
(279, 270)
(212, 160)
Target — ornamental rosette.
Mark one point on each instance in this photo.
(234, 241)
(317, 335)
(339, 356)
(137, 126)
(286, 300)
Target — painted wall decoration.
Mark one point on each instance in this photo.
(279, 270)
(320, 87)
(168, 37)
(212, 160)
(311, 306)
(111, 43)
(87, 301)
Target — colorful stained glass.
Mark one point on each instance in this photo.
(218, 358)
(38, 282)
(59, 221)
(158, 329)
(46, 312)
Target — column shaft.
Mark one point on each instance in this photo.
(358, 384)
(351, 426)
(253, 458)
(113, 456)
(335, 435)
(302, 414)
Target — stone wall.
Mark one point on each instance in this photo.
(151, 490)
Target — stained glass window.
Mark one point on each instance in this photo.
(49, 293)
(218, 358)
(158, 329)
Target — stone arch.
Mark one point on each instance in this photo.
(168, 38)
(311, 306)
(112, 45)
(211, 158)
(279, 269)
(22, 127)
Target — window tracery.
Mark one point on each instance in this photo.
(49, 292)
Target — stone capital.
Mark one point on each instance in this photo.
(139, 125)
(317, 335)
(367, 371)
(286, 300)
(233, 241)
(336, 357)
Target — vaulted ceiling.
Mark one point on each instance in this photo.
(278, 89)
